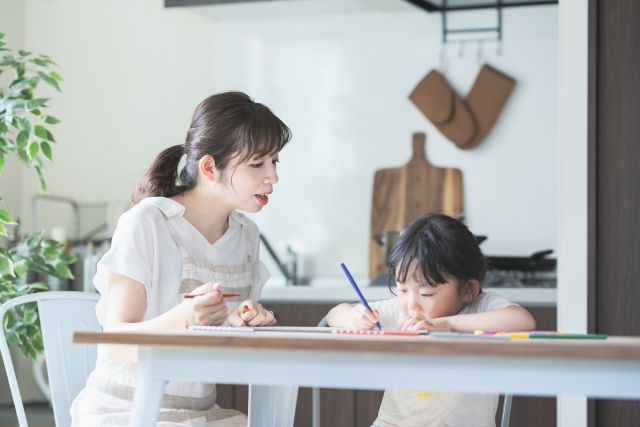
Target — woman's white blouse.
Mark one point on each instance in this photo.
(144, 250)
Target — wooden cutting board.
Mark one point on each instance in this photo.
(403, 194)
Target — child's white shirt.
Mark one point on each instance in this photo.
(412, 408)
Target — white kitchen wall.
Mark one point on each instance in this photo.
(135, 71)
(12, 25)
(341, 82)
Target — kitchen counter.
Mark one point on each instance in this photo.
(334, 291)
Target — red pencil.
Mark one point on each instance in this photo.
(199, 295)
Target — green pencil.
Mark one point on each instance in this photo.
(570, 336)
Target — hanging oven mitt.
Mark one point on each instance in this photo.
(437, 100)
(487, 98)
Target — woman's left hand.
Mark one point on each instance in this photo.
(415, 324)
(251, 313)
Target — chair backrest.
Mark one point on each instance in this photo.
(69, 365)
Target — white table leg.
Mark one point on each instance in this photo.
(272, 406)
(147, 399)
(315, 407)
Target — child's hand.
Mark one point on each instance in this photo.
(415, 324)
(363, 318)
(210, 308)
(250, 313)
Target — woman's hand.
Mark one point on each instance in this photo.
(251, 313)
(415, 324)
(209, 308)
(363, 318)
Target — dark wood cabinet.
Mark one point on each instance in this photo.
(614, 199)
(359, 408)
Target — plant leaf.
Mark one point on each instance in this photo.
(24, 52)
(41, 62)
(35, 257)
(3, 230)
(23, 139)
(20, 268)
(30, 317)
(6, 265)
(56, 76)
(6, 217)
(18, 83)
(32, 351)
(12, 336)
(43, 133)
(51, 120)
(34, 148)
(51, 243)
(33, 240)
(39, 286)
(8, 60)
(43, 184)
(25, 124)
(40, 131)
(49, 80)
(37, 344)
(35, 103)
(63, 270)
(50, 252)
(46, 150)
(67, 258)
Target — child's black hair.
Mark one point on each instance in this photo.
(444, 249)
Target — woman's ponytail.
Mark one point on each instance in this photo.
(160, 180)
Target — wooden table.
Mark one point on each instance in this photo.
(596, 368)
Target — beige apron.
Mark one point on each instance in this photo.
(107, 399)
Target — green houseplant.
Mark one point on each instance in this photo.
(23, 133)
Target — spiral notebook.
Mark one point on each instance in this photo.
(262, 329)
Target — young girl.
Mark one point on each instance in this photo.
(184, 236)
(438, 268)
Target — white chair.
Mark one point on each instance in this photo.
(315, 406)
(61, 314)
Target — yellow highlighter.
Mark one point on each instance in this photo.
(521, 335)
(513, 334)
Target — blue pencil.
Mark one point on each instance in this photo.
(355, 287)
